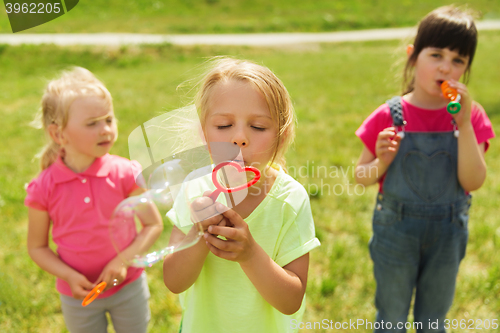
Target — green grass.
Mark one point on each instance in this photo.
(334, 87)
(217, 16)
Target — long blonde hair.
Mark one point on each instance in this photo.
(277, 97)
(56, 101)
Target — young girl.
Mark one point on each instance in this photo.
(426, 162)
(77, 191)
(253, 278)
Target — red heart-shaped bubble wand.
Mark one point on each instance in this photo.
(221, 189)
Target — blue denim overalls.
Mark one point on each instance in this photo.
(419, 230)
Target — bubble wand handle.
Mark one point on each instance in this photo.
(239, 168)
(452, 94)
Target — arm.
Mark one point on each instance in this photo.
(181, 269)
(152, 229)
(282, 287)
(370, 168)
(43, 256)
(471, 164)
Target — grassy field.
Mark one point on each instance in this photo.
(334, 87)
(218, 16)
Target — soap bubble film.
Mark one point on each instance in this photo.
(177, 165)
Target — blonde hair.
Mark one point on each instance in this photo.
(56, 101)
(277, 98)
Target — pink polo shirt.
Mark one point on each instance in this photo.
(80, 206)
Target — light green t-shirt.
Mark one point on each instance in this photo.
(223, 299)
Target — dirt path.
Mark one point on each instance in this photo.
(260, 39)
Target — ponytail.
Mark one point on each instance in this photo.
(49, 154)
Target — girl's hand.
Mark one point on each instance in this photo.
(239, 245)
(203, 209)
(462, 118)
(113, 273)
(79, 285)
(387, 145)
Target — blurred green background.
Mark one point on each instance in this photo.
(334, 88)
(219, 16)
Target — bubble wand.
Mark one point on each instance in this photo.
(452, 94)
(92, 295)
(221, 188)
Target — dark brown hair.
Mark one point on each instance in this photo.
(445, 27)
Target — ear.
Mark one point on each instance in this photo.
(409, 50)
(55, 133)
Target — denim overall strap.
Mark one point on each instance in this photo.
(396, 111)
(424, 170)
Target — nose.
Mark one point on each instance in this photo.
(445, 67)
(240, 139)
(106, 129)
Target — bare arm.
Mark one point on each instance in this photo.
(43, 256)
(370, 168)
(471, 164)
(282, 287)
(181, 269)
(152, 229)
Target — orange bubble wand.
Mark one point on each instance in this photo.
(92, 295)
(452, 94)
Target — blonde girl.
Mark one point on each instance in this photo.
(426, 162)
(75, 194)
(249, 271)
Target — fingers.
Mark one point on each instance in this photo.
(388, 138)
(226, 249)
(201, 204)
(225, 223)
(80, 293)
(230, 214)
(227, 232)
(203, 208)
(460, 87)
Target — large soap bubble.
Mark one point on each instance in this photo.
(140, 230)
(177, 168)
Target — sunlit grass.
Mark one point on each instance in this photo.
(240, 16)
(334, 87)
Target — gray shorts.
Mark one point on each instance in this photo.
(128, 309)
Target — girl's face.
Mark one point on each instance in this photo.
(90, 132)
(435, 65)
(238, 114)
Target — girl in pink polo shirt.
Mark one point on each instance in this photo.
(79, 187)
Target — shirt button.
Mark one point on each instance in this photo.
(84, 180)
(86, 200)
(379, 207)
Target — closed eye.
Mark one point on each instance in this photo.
(259, 128)
(223, 127)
